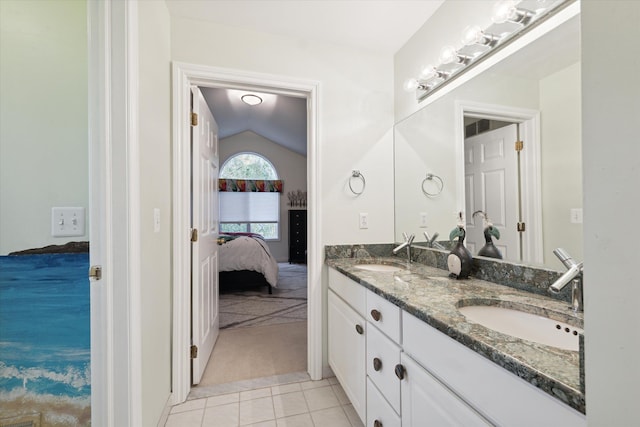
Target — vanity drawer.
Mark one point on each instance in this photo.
(382, 357)
(384, 316)
(379, 413)
(510, 401)
(349, 290)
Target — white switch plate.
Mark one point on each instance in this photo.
(67, 222)
(576, 216)
(423, 220)
(156, 220)
(364, 220)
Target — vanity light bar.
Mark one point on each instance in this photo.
(510, 19)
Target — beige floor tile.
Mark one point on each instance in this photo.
(314, 384)
(271, 423)
(302, 420)
(189, 405)
(352, 415)
(340, 394)
(222, 416)
(223, 399)
(285, 388)
(256, 410)
(321, 398)
(289, 404)
(185, 419)
(333, 380)
(334, 417)
(255, 394)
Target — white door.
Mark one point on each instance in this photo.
(204, 220)
(491, 185)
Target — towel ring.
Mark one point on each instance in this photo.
(357, 174)
(432, 177)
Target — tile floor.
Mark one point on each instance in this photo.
(298, 404)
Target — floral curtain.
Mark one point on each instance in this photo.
(250, 185)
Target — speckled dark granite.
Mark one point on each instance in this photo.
(429, 294)
(519, 276)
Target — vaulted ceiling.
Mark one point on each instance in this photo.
(380, 26)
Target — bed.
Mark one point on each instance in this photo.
(244, 261)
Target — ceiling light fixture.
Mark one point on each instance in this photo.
(510, 19)
(251, 99)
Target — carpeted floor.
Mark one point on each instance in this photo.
(287, 304)
(262, 335)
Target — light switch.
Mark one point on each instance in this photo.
(423, 220)
(576, 216)
(364, 220)
(67, 222)
(156, 220)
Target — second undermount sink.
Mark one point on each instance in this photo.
(379, 267)
(527, 326)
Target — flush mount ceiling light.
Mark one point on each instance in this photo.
(511, 18)
(251, 99)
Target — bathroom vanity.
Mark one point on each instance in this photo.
(406, 355)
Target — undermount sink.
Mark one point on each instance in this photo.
(523, 325)
(379, 267)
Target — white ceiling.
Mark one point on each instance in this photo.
(381, 26)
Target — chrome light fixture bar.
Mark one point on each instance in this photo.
(511, 18)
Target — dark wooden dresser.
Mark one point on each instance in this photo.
(298, 236)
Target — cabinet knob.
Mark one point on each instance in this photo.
(359, 329)
(376, 315)
(377, 423)
(377, 364)
(400, 371)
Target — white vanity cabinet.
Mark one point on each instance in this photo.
(346, 338)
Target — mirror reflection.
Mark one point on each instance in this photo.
(506, 144)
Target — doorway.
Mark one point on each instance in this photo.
(185, 76)
(525, 124)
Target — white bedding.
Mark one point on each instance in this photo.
(247, 253)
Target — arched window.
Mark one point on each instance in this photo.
(254, 212)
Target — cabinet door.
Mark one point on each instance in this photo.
(426, 402)
(347, 331)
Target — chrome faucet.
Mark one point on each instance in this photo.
(431, 241)
(408, 240)
(573, 275)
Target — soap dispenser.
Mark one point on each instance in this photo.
(459, 260)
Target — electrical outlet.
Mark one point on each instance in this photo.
(576, 216)
(364, 220)
(423, 220)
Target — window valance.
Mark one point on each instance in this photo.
(250, 185)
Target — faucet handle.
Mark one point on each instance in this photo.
(564, 257)
(410, 239)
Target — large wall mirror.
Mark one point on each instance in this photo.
(467, 140)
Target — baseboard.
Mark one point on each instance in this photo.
(327, 372)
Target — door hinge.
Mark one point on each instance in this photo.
(95, 272)
(521, 227)
(519, 145)
(194, 119)
(194, 351)
(194, 234)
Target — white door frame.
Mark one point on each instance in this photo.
(183, 77)
(114, 213)
(529, 121)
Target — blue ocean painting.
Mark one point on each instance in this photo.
(45, 337)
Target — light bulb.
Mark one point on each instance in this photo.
(428, 72)
(410, 85)
(503, 10)
(448, 55)
(472, 34)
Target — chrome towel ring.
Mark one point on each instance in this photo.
(438, 182)
(357, 174)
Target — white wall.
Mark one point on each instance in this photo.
(611, 164)
(291, 168)
(561, 162)
(43, 118)
(155, 192)
(355, 123)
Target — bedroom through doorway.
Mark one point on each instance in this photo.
(262, 314)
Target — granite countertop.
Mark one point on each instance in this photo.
(429, 294)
